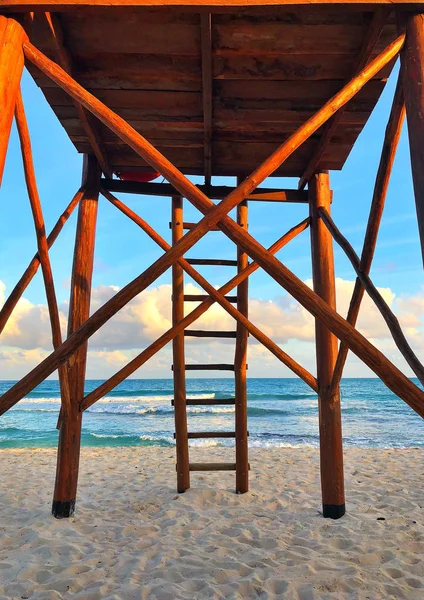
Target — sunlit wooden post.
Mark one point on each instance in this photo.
(330, 428)
(12, 37)
(79, 310)
(180, 410)
(240, 374)
(413, 63)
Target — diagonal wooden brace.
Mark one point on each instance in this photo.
(388, 154)
(385, 310)
(32, 268)
(158, 344)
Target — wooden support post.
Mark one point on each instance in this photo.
(79, 310)
(180, 410)
(413, 67)
(330, 427)
(12, 37)
(242, 450)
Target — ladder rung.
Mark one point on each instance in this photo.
(201, 297)
(212, 467)
(209, 402)
(212, 261)
(216, 367)
(216, 334)
(210, 434)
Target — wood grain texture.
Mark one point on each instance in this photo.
(12, 37)
(206, 52)
(178, 353)
(79, 309)
(413, 63)
(240, 361)
(259, 67)
(73, 5)
(330, 424)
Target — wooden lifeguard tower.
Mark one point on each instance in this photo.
(214, 88)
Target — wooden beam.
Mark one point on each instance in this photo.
(206, 50)
(240, 361)
(12, 37)
(86, 118)
(144, 356)
(180, 411)
(385, 311)
(413, 62)
(330, 424)
(32, 268)
(217, 192)
(79, 309)
(388, 153)
(43, 249)
(373, 34)
(208, 5)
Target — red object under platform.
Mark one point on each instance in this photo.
(141, 176)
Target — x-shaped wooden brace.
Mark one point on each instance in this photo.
(392, 376)
(215, 296)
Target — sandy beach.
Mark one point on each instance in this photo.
(134, 537)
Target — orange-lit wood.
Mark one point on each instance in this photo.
(330, 425)
(205, 4)
(240, 373)
(180, 411)
(12, 36)
(413, 63)
(79, 309)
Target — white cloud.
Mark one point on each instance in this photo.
(26, 339)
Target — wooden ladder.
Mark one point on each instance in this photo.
(179, 367)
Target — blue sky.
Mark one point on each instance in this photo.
(123, 251)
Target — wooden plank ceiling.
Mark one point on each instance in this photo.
(264, 75)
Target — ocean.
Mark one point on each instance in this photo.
(281, 413)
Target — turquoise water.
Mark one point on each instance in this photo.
(282, 412)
